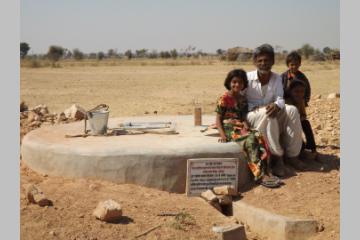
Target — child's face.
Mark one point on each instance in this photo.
(236, 84)
(294, 66)
(297, 93)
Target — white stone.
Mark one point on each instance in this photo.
(208, 195)
(333, 95)
(108, 211)
(225, 190)
(75, 112)
(35, 195)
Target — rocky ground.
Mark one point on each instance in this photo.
(312, 194)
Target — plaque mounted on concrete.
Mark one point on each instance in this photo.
(206, 173)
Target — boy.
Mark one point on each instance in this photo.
(293, 62)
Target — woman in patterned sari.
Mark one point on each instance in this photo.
(231, 122)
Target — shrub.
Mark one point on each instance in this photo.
(78, 55)
(24, 48)
(55, 53)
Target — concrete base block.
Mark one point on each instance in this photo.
(231, 232)
(274, 226)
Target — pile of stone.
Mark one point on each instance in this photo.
(220, 198)
(32, 118)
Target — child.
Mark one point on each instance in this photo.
(294, 95)
(293, 62)
(231, 122)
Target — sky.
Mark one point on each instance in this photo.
(99, 25)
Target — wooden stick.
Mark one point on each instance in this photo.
(147, 231)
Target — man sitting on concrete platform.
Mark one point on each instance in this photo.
(277, 121)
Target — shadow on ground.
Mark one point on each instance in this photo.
(323, 164)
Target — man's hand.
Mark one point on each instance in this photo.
(272, 109)
(222, 138)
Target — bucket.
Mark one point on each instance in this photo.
(98, 120)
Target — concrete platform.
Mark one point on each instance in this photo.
(274, 226)
(152, 160)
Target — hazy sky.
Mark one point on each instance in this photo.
(94, 26)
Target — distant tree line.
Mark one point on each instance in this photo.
(55, 53)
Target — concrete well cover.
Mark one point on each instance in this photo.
(151, 160)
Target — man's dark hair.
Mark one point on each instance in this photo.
(240, 73)
(264, 49)
(293, 56)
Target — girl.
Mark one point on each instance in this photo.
(231, 122)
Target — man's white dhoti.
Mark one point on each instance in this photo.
(283, 132)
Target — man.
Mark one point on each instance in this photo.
(277, 121)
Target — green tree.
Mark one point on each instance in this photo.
(129, 54)
(327, 50)
(24, 49)
(55, 53)
(174, 53)
(100, 55)
(141, 53)
(78, 55)
(165, 54)
(111, 53)
(307, 50)
(220, 52)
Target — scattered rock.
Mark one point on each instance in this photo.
(320, 228)
(318, 127)
(224, 199)
(52, 233)
(155, 112)
(41, 109)
(108, 211)
(324, 140)
(61, 117)
(333, 95)
(35, 195)
(225, 190)
(93, 187)
(33, 116)
(23, 107)
(146, 112)
(75, 112)
(317, 97)
(23, 115)
(35, 124)
(209, 196)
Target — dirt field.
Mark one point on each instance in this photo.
(134, 89)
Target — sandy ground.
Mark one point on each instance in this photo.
(132, 90)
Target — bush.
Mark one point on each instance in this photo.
(24, 48)
(55, 53)
(78, 55)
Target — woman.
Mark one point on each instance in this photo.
(231, 122)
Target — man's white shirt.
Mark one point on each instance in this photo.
(273, 94)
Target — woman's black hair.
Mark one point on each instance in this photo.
(293, 56)
(264, 49)
(240, 73)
